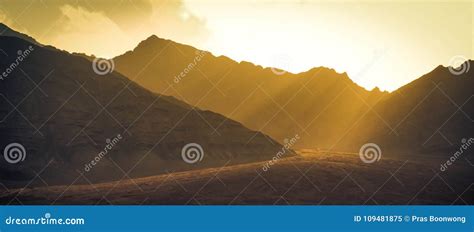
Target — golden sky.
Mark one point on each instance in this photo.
(378, 43)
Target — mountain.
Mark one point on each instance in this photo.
(6, 31)
(319, 105)
(76, 126)
(326, 108)
(431, 114)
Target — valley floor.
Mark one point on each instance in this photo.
(312, 178)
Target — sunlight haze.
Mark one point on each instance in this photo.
(383, 44)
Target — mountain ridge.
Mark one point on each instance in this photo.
(7, 31)
(329, 103)
(69, 113)
(154, 39)
(168, 59)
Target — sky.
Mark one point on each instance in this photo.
(378, 43)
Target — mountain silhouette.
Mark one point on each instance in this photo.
(326, 108)
(431, 114)
(320, 104)
(6, 31)
(64, 114)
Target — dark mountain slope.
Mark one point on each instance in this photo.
(433, 114)
(64, 115)
(6, 31)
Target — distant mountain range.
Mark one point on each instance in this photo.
(64, 114)
(167, 95)
(328, 110)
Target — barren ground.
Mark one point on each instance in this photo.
(312, 178)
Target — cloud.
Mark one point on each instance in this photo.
(75, 24)
(170, 19)
(81, 29)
